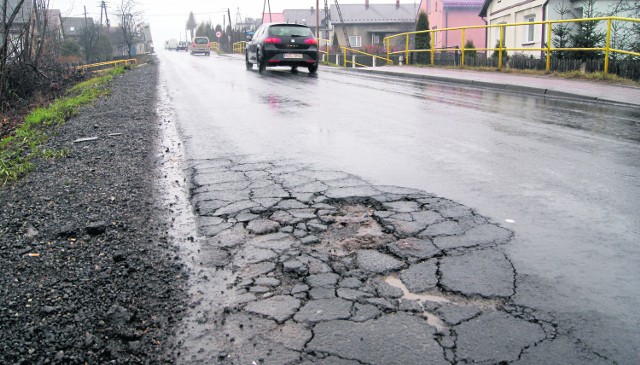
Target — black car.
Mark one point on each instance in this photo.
(282, 44)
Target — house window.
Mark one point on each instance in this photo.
(435, 37)
(497, 36)
(72, 29)
(375, 39)
(529, 29)
(355, 41)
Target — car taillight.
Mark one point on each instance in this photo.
(310, 41)
(272, 40)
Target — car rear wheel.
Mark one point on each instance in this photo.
(246, 61)
(262, 64)
(313, 68)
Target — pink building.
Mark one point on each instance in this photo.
(455, 13)
(273, 18)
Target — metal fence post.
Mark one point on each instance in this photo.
(500, 47)
(549, 32)
(463, 44)
(406, 50)
(433, 48)
(607, 48)
(345, 56)
(387, 43)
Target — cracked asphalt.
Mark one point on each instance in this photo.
(285, 263)
(294, 265)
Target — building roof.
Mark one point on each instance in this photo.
(303, 16)
(73, 26)
(273, 18)
(375, 13)
(24, 13)
(463, 3)
(485, 7)
(54, 19)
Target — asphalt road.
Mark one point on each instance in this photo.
(562, 175)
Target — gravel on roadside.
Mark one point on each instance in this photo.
(88, 273)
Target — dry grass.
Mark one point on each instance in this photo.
(591, 76)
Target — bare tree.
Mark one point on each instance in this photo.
(10, 11)
(561, 31)
(625, 35)
(129, 17)
(29, 46)
(96, 43)
(88, 39)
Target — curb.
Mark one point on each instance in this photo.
(537, 91)
(500, 87)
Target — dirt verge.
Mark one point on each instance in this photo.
(87, 272)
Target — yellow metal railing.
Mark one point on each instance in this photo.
(214, 46)
(103, 65)
(327, 48)
(238, 47)
(352, 62)
(545, 47)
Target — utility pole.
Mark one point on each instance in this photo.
(238, 19)
(327, 20)
(230, 32)
(103, 9)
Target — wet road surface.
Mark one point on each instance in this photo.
(564, 174)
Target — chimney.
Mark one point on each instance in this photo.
(397, 4)
(366, 4)
(312, 10)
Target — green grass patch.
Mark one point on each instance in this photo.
(591, 76)
(18, 151)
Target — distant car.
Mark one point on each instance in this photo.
(200, 45)
(182, 46)
(282, 44)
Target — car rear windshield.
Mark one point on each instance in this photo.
(290, 31)
(201, 40)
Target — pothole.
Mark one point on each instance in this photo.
(354, 229)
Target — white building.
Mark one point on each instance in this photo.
(529, 11)
(515, 11)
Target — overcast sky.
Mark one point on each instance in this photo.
(168, 17)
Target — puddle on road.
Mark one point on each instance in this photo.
(451, 299)
(396, 282)
(207, 285)
(173, 184)
(432, 319)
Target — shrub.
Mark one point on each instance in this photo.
(505, 55)
(470, 49)
(423, 40)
